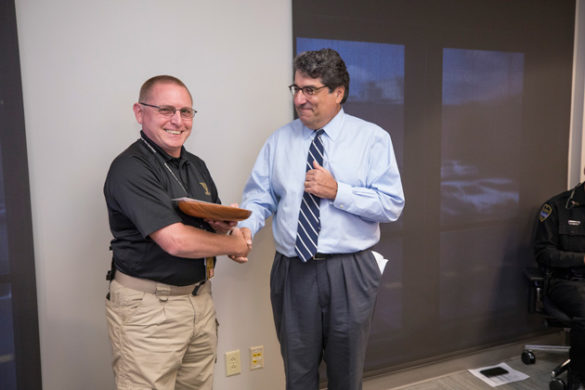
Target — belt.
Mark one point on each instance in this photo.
(324, 256)
(321, 256)
(152, 287)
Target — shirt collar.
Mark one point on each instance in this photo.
(160, 150)
(579, 196)
(332, 128)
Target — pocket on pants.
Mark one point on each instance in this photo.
(124, 301)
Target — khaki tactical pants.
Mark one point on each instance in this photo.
(162, 342)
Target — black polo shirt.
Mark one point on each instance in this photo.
(139, 190)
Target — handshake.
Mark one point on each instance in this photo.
(240, 239)
(244, 236)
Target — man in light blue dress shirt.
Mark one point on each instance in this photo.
(323, 306)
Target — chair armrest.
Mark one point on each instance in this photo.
(535, 277)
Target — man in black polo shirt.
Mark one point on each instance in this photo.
(159, 309)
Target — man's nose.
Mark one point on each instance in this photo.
(299, 98)
(176, 117)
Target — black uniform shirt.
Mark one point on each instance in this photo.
(560, 233)
(139, 190)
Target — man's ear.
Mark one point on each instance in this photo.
(138, 112)
(339, 92)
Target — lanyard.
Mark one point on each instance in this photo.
(165, 164)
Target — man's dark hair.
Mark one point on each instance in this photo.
(327, 65)
(164, 79)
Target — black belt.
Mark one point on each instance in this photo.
(324, 256)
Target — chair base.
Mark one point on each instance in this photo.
(528, 357)
(556, 383)
(547, 348)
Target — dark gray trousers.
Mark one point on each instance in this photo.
(323, 310)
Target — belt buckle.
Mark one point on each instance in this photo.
(319, 256)
(162, 292)
(198, 285)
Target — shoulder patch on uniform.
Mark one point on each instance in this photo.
(545, 212)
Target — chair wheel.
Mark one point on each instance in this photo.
(556, 384)
(528, 357)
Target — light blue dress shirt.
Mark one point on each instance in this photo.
(360, 157)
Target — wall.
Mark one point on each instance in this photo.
(577, 147)
(82, 66)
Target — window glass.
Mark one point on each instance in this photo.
(481, 135)
(4, 265)
(7, 366)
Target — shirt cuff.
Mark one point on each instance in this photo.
(247, 224)
(343, 198)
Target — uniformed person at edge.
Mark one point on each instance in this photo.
(560, 249)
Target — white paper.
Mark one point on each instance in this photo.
(511, 376)
(380, 260)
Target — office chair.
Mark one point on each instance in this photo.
(553, 317)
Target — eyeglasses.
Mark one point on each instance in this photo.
(307, 91)
(186, 112)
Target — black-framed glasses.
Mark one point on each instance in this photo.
(307, 91)
(185, 112)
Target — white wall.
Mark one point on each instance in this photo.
(576, 174)
(82, 65)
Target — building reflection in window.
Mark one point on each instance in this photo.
(480, 142)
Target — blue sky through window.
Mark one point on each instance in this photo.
(376, 69)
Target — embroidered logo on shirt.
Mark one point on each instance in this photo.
(574, 223)
(204, 185)
(544, 212)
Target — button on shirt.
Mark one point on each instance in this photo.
(360, 157)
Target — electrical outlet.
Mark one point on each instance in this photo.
(232, 363)
(256, 357)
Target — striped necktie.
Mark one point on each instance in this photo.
(309, 224)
